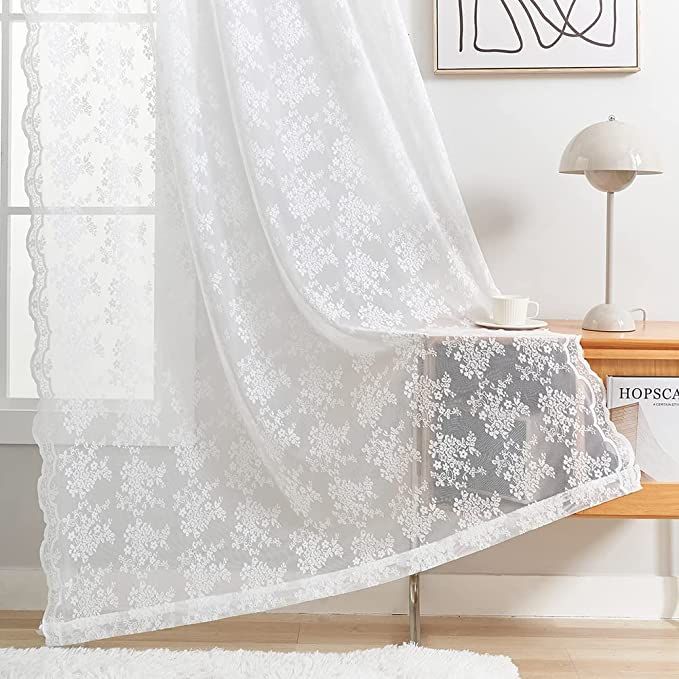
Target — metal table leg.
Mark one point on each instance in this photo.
(414, 608)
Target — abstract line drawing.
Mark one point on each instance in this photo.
(536, 14)
(533, 35)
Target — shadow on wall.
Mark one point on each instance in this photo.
(568, 547)
(494, 218)
(22, 527)
(666, 567)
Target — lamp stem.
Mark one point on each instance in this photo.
(610, 214)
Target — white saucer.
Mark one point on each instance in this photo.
(530, 324)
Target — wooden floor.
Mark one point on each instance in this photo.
(555, 649)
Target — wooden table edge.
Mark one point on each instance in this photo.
(653, 501)
(649, 335)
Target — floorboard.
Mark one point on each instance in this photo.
(542, 649)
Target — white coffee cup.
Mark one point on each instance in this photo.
(513, 310)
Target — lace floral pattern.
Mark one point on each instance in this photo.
(249, 252)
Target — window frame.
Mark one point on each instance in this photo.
(16, 414)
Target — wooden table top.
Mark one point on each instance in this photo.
(656, 335)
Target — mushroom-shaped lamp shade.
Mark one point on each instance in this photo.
(610, 154)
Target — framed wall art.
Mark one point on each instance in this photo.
(536, 36)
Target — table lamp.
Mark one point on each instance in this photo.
(610, 154)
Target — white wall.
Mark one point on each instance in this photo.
(542, 232)
(543, 235)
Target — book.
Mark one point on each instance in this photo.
(646, 411)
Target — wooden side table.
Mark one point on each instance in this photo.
(652, 351)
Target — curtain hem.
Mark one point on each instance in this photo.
(370, 574)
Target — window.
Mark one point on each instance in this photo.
(18, 397)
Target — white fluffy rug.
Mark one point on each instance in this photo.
(392, 662)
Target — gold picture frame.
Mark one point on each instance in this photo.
(513, 70)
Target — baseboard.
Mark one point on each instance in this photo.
(642, 597)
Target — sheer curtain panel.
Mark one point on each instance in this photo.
(254, 285)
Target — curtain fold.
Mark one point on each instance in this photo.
(255, 282)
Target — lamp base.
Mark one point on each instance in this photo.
(609, 318)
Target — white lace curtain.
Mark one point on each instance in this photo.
(254, 279)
